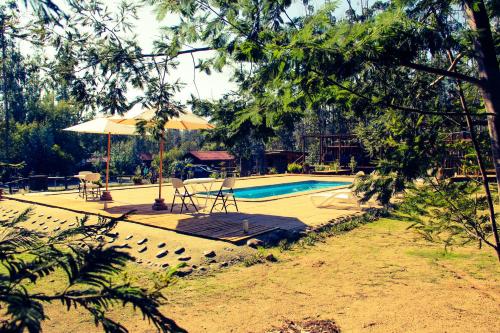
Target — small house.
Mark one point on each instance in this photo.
(212, 158)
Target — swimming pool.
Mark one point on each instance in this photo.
(265, 191)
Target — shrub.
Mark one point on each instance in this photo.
(137, 178)
(335, 166)
(449, 213)
(321, 167)
(353, 164)
(294, 168)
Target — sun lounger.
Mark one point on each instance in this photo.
(333, 198)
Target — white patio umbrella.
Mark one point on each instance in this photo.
(104, 126)
(184, 121)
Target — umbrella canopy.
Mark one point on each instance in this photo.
(184, 121)
(106, 126)
(103, 126)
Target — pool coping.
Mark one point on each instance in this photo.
(282, 196)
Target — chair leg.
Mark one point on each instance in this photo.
(215, 201)
(183, 201)
(224, 201)
(192, 202)
(172, 207)
(235, 205)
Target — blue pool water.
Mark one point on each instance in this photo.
(259, 192)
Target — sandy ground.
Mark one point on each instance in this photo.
(47, 219)
(296, 212)
(377, 278)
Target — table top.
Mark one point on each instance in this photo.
(199, 181)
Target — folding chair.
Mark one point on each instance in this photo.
(179, 185)
(226, 192)
(81, 182)
(91, 186)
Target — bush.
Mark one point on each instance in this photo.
(137, 178)
(294, 168)
(449, 213)
(321, 167)
(353, 164)
(335, 166)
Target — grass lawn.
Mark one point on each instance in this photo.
(377, 278)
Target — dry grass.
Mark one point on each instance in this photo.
(377, 278)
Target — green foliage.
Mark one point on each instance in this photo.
(28, 258)
(332, 229)
(124, 157)
(284, 245)
(452, 214)
(137, 178)
(321, 167)
(350, 73)
(294, 168)
(272, 171)
(255, 258)
(335, 166)
(353, 164)
(379, 186)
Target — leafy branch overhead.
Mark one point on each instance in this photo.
(29, 257)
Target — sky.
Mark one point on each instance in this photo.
(199, 84)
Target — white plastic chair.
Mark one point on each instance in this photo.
(91, 186)
(225, 193)
(326, 199)
(178, 185)
(81, 181)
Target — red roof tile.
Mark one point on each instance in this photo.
(212, 155)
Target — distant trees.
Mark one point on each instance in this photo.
(84, 59)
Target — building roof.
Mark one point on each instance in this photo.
(212, 155)
(283, 152)
(146, 156)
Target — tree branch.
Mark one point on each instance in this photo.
(443, 72)
(190, 51)
(391, 105)
(453, 64)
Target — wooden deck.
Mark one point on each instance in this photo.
(217, 226)
(224, 230)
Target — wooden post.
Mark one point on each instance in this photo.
(106, 195)
(160, 181)
(320, 149)
(159, 203)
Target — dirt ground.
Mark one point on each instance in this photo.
(377, 278)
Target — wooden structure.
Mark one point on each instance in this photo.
(457, 162)
(279, 159)
(336, 147)
(212, 158)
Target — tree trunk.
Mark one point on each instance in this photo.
(489, 74)
(4, 90)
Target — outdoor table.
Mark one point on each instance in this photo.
(206, 183)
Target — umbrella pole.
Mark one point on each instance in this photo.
(159, 203)
(106, 195)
